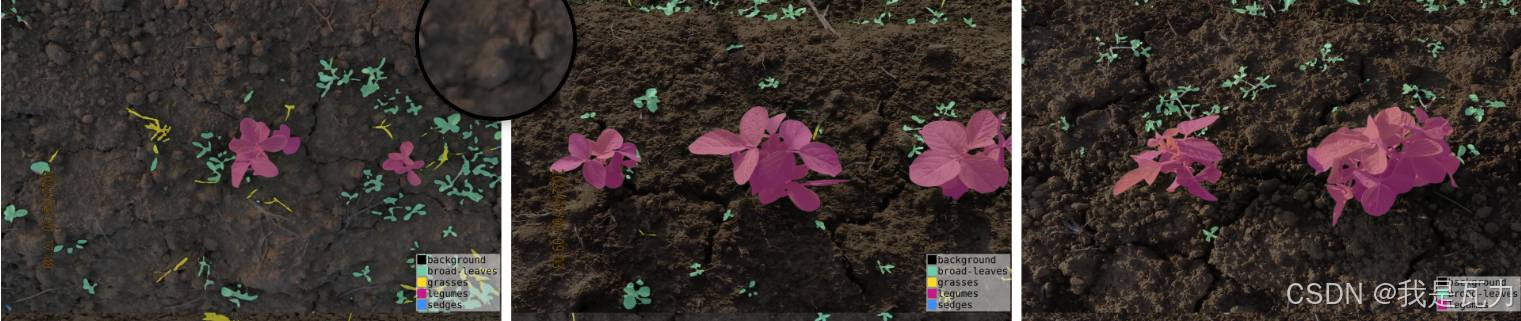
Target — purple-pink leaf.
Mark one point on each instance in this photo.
(1394, 153)
(1189, 127)
(1177, 152)
(934, 167)
(717, 142)
(250, 147)
(962, 157)
(820, 158)
(981, 129)
(401, 163)
(765, 156)
(601, 161)
(1146, 171)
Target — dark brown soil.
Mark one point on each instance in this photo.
(860, 88)
(1143, 251)
(496, 58)
(71, 73)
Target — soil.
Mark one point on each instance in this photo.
(860, 88)
(496, 58)
(1143, 251)
(202, 66)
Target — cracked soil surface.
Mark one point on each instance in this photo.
(1143, 251)
(860, 88)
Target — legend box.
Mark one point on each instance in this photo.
(458, 283)
(968, 282)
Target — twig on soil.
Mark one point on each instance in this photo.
(820, 15)
(1460, 205)
(889, 74)
(34, 295)
(320, 15)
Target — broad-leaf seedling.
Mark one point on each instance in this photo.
(1433, 45)
(1423, 97)
(633, 297)
(649, 101)
(12, 213)
(1107, 54)
(1323, 62)
(1248, 90)
(1477, 112)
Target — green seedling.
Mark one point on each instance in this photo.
(793, 13)
(365, 273)
(1171, 102)
(884, 269)
(1106, 51)
(769, 82)
(12, 12)
(329, 76)
(968, 21)
(237, 296)
(910, 21)
(248, 96)
(1432, 45)
(1432, 6)
(1239, 82)
(633, 297)
(1211, 233)
(41, 168)
(78, 245)
(819, 224)
(753, 10)
(885, 315)
(348, 197)
(401, 297)
(372, 183)
(822, 317)
(643, 234)
(1082, 151)
(946, 110)
(936, 17)
(1465, 150)
(589, 116)
(728, 214)
(372, 83)
(445, 125)
(889, 2)
(203, 267)
(879, 20)
(1478, 112)
(733, 47)
(1323, 62)
(649, 101)
(1062, 123)
(696, 270)
(88, 287)
(672, 7)
(1254, 9)
(1422, 96)
(747, 291)
(12, 213)
(449, 232)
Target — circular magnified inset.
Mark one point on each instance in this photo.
(495, 59)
